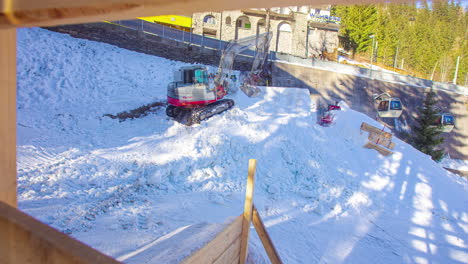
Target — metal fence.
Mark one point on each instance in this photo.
(206, 42)
(178, 35)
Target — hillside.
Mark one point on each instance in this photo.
(150, 190)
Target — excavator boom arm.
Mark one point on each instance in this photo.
(234, 48)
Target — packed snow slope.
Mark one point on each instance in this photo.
(149, 190)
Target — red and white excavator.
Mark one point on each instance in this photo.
(193, 97)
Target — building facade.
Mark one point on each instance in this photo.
(294, 32)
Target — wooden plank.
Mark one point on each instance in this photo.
(24, 239)
(265, 238)
(380, 149)
(373, 129)
(215, 248)
(8, 116)
(232, 253)
(381, 140)
(248, 206)
(20, 13)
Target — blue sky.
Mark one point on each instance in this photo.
(464, 3)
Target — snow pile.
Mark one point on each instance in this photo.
(347, 60)
(455, 164)
(166, 187)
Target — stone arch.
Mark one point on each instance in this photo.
(228, 20)
(284, 38)
(209, 19)
(285, 27)
(242, 24)
(261, 27)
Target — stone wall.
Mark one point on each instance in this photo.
(150, 44)
(358, 92)
(294, 42)
(323, 41)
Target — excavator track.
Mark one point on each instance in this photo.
(189, 116)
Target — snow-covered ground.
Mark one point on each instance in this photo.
(461, 165)
(362, 64)
(150, 190)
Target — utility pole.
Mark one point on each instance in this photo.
(307, 42)
(376, 51)
(456, 71)
(266, 68)
(221, 26)
(433, 70)
(372, 51)
(267, 22)
(396, 57)
(372, 54)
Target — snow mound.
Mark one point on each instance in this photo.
(323, 197)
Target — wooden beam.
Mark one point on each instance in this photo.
(265, 238)
(248, 206)
(381, 140)
(373, 129)
(23, 239)
(216, 247)
(8, 116)
(20, 13)
(380, 149)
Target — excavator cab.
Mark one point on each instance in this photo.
(388, 106)
(199, 76)
(190, 88)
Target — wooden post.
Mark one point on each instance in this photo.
(265, 238)
(248, 206)
(8, 116)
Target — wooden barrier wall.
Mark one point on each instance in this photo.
(24, 240)
(224, 248)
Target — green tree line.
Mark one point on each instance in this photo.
(423, 39)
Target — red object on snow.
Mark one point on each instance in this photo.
(333, 107)
(326, 119)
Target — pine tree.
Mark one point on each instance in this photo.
(427, 136)
(358, 23)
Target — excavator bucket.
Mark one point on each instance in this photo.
(234, 48)
(250, 90)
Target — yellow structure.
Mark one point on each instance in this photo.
(181, 22)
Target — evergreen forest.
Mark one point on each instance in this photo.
(425, 39)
